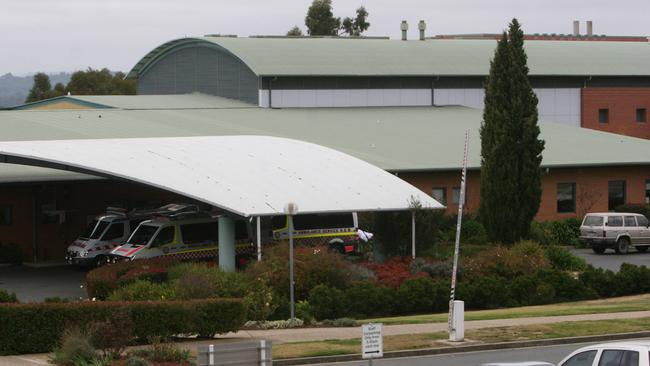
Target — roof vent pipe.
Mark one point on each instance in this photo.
(576, 27)
(404, 27)
(422, 26)
(590, 28)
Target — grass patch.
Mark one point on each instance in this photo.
(612, 305)
(487, 335)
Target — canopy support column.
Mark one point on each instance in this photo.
(259, 240)
(226, 243)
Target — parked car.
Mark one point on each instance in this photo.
(336, 230)
(188, 235)
(106, 232)
(630, 353)
(617, 230)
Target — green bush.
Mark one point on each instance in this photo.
(102, 281)
(142, 290)
(10, 253)
(7, 297)
(421, 295)
(368, 299)
(563, 232)
(642, 209)
(327, 302)
(36, 327)
(489, 292)
(75, 347)
(340, 322)
(562, 258)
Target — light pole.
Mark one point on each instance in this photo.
(290, 210)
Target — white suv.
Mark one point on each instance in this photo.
(631, 353)
(617, 230)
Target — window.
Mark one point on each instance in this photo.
(593, 221)
(115, 231)
(581, 359)
(142, 235)
(455, 195)
(642, 221)
(165, 236)
(640, 115)
(615, 221)
(5, 215)
(616, 194)
(566, 197)
(630, 221)
(612, 357)
(647, 191)
(603, 115)
(200, 233)
(440, 195)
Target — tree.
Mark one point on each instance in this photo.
(511, 151)
(320, 21)
(41, 88)
(100, 82)
(358, 25)
(294, 32)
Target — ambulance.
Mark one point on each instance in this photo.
(188, 235)
(338, 231)
(104, 233)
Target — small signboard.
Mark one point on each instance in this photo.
(372, 341)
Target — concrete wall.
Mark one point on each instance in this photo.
(622, 104)
(200, 69)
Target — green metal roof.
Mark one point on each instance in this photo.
(383, 57)
(392, 138)
(176, 101)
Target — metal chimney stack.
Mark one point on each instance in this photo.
(422, 26)
(590, 28)
(576, 27)
(404, 27)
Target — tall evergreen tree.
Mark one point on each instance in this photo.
(511, 151)
(358, 25)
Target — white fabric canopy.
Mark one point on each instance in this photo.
(246, 175)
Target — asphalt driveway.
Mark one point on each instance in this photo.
(612, 261)
(35, 284)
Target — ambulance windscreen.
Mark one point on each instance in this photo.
(142, 235)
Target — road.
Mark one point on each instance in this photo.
(612, 261)
(35, 284)
(552, 354)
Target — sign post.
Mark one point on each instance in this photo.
(372, 341)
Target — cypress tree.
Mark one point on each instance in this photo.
(511, 151)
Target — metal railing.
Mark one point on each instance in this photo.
(240, 353)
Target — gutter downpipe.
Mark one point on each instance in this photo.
(433, 89)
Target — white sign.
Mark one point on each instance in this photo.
(372, 342)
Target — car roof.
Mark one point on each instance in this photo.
(522, 363)
(613, 214)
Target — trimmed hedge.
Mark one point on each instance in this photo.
(37, 327)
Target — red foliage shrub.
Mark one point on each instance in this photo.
(395, 271)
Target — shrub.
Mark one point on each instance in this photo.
(487, 292)
(162, 351)
(112, 335)
(136, 361)
(604, 282)
(421, 295)
(10, 253)
(102, 281)
(368, 299)
(564, 232)
(394, 271)
(312, 266)
(561, 258)
(75, 347)
(523, 258)
(142, 290)
(36, 327)
(327, 302)
(276, 324)
(632, 279)
(7, 297)
(304, 312)
(642, 209)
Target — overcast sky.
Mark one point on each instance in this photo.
(67, 35)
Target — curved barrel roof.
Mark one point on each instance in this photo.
(246, 175)
(385, 57)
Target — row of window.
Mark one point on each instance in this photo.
(440, 195)
(566, 195)
(603, 115)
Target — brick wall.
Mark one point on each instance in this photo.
(591, 188)
(622, 105)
